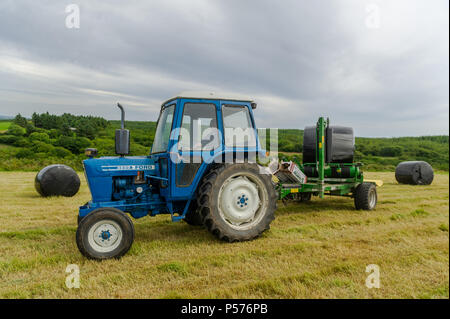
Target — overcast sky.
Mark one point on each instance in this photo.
(381, 67)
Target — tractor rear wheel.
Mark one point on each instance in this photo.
(237, 202)
(105, 233)
(193, 216)
(365, 196)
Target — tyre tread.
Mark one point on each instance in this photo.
(204, 202)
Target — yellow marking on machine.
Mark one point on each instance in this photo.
(377, 182)
(294, 190)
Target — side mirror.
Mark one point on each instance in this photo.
(122, 136)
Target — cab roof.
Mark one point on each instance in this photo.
(208, 95)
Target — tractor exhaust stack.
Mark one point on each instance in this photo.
(122, 140)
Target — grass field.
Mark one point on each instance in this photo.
(4, 125)
(313, 250)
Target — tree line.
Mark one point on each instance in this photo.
(48, 138)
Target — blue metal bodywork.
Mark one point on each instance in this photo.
(112, 180)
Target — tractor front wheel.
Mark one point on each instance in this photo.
(105, 233)
(237, 202)
(365, 196)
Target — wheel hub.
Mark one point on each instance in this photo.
(105, 235)
(239, 200)
(242, 201)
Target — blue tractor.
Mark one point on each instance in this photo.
(201, 169)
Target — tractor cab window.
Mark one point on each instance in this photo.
(198, 127)
(162, 135)
(238, 126)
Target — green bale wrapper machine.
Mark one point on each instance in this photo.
(325, 171)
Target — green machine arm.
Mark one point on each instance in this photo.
(321, 129)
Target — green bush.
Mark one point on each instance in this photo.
(36, 136)
(22, 142)
(76, 145)
(41, 147)
(54, 133)
(105, 146)
(59, 151)
(137, 150)
(391, 151)
(41, 155)
(8, 139)
(15, 130)
(25, 153)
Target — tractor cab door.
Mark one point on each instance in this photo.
(162, 143)
(197, 140)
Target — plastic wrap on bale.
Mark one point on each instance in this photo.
(340, 144)
(309, 144)
(414, 173)
(57, 180)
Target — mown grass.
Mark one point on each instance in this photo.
(313, 250)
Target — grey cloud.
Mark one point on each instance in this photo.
(299, 59)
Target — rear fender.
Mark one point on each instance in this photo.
(218, 158)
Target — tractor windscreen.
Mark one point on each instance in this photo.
(162, 135)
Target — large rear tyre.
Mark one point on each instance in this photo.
(365, 196)
(237, 203)
(193, 216)
(105, 233)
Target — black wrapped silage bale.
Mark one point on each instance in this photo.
(310, 171)
(57, 180)
(340, 144)
(309, 144)
(414, 173)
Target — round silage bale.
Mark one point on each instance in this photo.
(309, 144)
(414, 173)
(57, 180)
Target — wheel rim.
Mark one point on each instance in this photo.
(372, 198)
(242, 201)
(105, 236)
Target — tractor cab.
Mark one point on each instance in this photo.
(195, 130)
